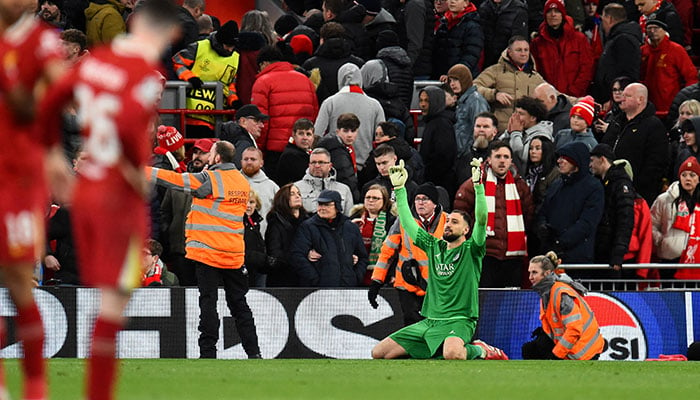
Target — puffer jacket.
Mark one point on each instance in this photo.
(616, 225)
(566, 62)
(506, 77)
(351, 19)
(285, 95)
(469, 105)
(462, 44)
(500, 22)
(310, 187)
(398, 66)
(669, 242)
(439, 148)
(104, 21)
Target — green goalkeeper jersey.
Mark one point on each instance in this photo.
(453, 277)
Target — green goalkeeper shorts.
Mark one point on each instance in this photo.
(424, 338)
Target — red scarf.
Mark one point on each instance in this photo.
(178, 166)
(453, 20)
(351, 150)
(517, 242)
(643, 20)
(690, 253)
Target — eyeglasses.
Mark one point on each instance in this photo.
(256, 120)
(373, 198)
(319, 162)
(421, 199)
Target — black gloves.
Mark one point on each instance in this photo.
(195, 82)
(544, 232)
(373, 293)
(410, 270)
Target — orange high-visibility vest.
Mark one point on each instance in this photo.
(214, 227)
(576, 335)
(400, 242)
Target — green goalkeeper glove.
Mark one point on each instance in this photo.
(398, 175)
(476, 170)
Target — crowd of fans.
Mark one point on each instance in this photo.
(583, 111)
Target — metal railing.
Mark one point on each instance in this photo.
(635, 284)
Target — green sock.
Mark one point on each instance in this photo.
(474, 352)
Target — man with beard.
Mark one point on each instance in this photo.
(451, 304)
(485, 131)
(251, 167)
(51, 12)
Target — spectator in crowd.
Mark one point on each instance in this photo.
(205, 25)
(438, 148)
(295, 156)
(342, 151)
(429, 214)
(155, 273)
(265, 188)
(569, 329)
(174, 209)
(690, 146)
(320, 176)
(485, 131)
(459, 38)
(534, 16)
(574, 9)
(469, 105)
(259, 21)
(328, 250)
(256, 260)
(285, 24)
(188, 13)
(398, 65)
(621, 52)
(688, 109)
(285, 95)
(104, 20)
(418, 35)
(526, 123)
(351, 99)
(582, 114)
(572, 208)
(284, 218)
(350, 15)
(377, 85)
(664, 11)
(615, 228)
(540, 172)
(60, 258)
(687, 93)
(557, 105)
(666, 67)
(512, 77)
(333, 52)
(592, 29)
(562, 54)
(51, 11)
(209, 60)
(75, 44)
(500, 21)
(673, 216)
(374, 218)
(215, 243)
(384, 158)
(639, 137)
(510, 211)
(169, 155)
(376, 20)
(611, 109)
(248, 47)
(245, 130)
(387, 132)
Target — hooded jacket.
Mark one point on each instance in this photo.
(104, 21)
(615, 227)
(500, 22)
(669, 242)
(571, 211)
(310, 187)
(506, 77)
(398, 66)
(381, 22)
(439, 147)
(377, 85)
(560, 114)
(351, 19)
(329, 57)
(351, 100)
(621, 57)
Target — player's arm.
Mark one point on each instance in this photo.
(480, 208)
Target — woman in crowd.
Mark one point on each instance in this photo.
(612, 108)
(255, 253)
(569, 329)
(259, 21)
(682, 135)
(672, 216)
(283, 220)
(374, 218)
(540, 171)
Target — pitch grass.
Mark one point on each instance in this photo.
(368, 379)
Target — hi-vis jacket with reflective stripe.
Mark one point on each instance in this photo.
(397, 241)
(571, 324)
(214, 227)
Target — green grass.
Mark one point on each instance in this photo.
(366, 379)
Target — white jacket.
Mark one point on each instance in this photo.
(310, 187)
(669, 242)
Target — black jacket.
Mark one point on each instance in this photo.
(342, 162)
(621, 57)
(255, 252)
(559, 114)
(500, 23)
(615, 227)
(642, 142)
(439, 147)
(336, 241)
(60, 229)
(387, 94)
(351, 19)
(668, 14)
(239, 137)
(278, 242)
(416, 23)
(398, 66)
(461, 45)
(329, 57)
(189, 29)
(292, 164)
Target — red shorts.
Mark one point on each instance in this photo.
(22, 229)
(109, 228)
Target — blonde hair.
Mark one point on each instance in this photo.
(259, 21)
(694, 107)
(549, 261)
(254, 195)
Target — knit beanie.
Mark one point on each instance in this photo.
(462, 73)
(585, 108)
(387, 38)
(169, 138)
(690, 164)
(285, 24)
(228, 33)
(301, 44)
(558, 4)
(429, 190)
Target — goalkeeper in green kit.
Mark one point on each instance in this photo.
(451, 304)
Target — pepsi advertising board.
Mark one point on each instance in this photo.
(340, 323)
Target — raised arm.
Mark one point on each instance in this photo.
(398, 176)
(480, 208)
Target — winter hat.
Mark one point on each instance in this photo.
(204, 145)
(169, 138)
(373, 7)
(558, 4)
(585, 108)
(228, 33)
(387, 38)
(657, 22)
(603, 150)
(302, 44)
(690, 164)
(285, 24)
(429, 190)
(251, 110)
(331, 196)
(462, 73)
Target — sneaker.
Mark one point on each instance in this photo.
(492, 353)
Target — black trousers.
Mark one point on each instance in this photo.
(236, 286)
(410, 306)
(497, 273)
